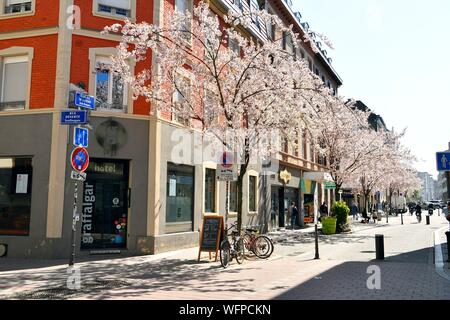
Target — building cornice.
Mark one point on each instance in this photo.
(35, 32)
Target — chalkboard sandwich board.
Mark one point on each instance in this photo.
(211, 235)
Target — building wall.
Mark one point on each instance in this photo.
(34, 134)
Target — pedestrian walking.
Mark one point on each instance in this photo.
(323, 210)
(354, 210)
(294, 215)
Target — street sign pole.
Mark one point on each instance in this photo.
(227, 202)
(74, 224)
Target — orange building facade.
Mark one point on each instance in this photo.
(136, 199)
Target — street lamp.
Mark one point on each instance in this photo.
(340, 195)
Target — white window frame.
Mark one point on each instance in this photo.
(255, 175)
(186, 77)
(190, 7)
(4, 15)
(105, 53)
(18, 52)
(105, 60)
(211, 166)
(96, 12)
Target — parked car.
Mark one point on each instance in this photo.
(399, 204)
(436, 204)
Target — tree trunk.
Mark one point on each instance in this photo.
(240, 182)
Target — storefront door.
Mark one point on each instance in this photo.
(105, 205)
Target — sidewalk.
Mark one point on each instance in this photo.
(289, 235)
(341, 272)
(444, 250)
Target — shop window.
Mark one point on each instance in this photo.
(252, 193)
(15, 196)
(17, 6)
(120, 8)
(180, 195)
(14, 83)
(110, 90)
(210, 190)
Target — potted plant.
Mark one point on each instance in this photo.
(329, 225)
(340, 211)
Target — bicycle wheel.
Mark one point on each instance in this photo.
(225, 253)
(263, 247)
(248, 242)
(239, 250)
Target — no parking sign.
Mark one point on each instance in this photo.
(79, 159)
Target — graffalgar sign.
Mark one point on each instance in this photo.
(86, 218)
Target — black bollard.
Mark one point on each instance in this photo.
(448, 245)
(379, 246)
(428, 220)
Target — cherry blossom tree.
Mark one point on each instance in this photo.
(235, 88)
(342, 134)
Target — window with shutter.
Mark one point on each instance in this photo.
(14, 83)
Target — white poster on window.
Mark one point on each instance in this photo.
(172, 187)
(22, 183)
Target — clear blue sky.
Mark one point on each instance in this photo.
(394, 56)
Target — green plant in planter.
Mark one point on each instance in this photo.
(340, 211)
(329, 225)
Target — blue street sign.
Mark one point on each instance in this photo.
(74, 117)
(84, 101)
(443, 161)
(81, 137)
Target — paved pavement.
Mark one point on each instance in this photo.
(291, 273)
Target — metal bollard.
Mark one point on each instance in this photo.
(448, 245)
(379, 246)
(428, 220)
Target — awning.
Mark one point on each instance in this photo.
(320, 177)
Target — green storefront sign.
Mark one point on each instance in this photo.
(330, 185)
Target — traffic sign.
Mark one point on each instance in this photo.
(443, 161)
(79, 159)
(79, 176)
(81, 137)
(227, 168)
(84, 101)
(227, 159)
(69, 117)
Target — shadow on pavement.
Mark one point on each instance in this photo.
(137, 279)
(408, 276)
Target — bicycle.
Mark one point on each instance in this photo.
(232, 250)
(259, 245)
